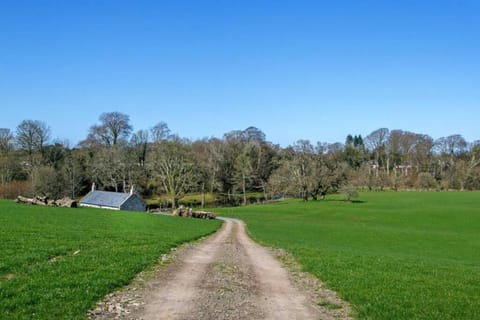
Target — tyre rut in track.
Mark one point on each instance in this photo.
(227, 276)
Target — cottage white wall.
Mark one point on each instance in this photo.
(98, 207)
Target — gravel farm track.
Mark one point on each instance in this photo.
(225, 276)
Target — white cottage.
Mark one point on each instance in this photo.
(113, 200)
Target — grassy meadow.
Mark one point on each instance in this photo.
(212, 200)
(405, 255)
(55, 263)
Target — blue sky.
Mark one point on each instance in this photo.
(315, 70)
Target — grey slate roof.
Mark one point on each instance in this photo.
(105, 198)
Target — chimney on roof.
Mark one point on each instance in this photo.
(94, 187)
(132, 189)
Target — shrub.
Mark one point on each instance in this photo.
(349, 192)
(426, 181)
(14, 189)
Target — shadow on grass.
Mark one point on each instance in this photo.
(356, 201)
(281, 202)
(343, 200)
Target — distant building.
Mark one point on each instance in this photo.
(113, 200)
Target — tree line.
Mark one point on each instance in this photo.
(240, 163)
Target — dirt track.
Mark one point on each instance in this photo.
(227, 276)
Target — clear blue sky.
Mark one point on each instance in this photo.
(312, 70)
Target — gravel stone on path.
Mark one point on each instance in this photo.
(226, 276)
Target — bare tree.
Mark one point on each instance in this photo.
(32, 135)
(253, 133)
(48, 182)
(422, 151)
(172, 165)
(139, 142)
(302, 166)
(243, 170)
(376, 139)
(451, 145)
(113, 128)
(295, 173)
(208, 157)
(376, 142)
(470, 170)
(400, 146)
(281, 182)
(160, 132)
(307, 171)
(108, 167)
(245, 157)
(6, 140)
(73, 173)
(228, 177)
(264, 159)
(7, 163)
(115, 168)
(407, 145)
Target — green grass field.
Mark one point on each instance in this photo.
(411, 255)
(55, 263)
(211, 199)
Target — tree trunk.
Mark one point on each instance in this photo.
(66, 202)
(35, 201)
(174, 202)
(264, 189)
(43, 201)
(203, 195)
(73, 184)
(244, 189)
(304, 194)
(388, 166)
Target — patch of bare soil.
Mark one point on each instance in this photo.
(227, 276)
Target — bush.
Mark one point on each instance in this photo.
(48, 182)
(349, 192)
(426, 181)
(14, 189)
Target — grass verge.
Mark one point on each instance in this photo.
(57, 262)
(412, 255)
